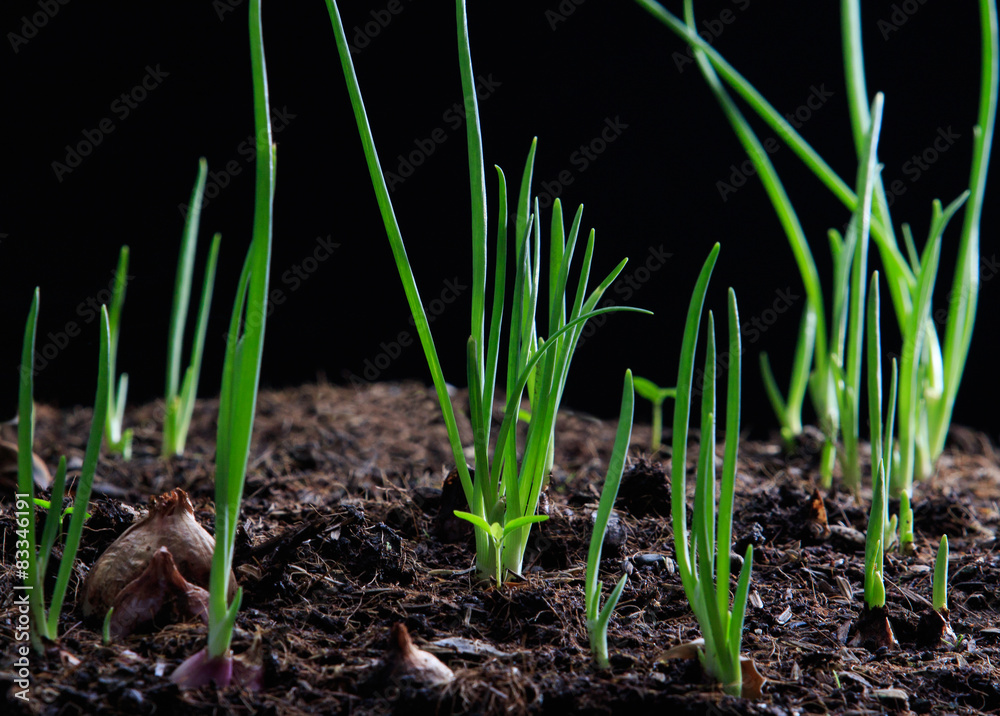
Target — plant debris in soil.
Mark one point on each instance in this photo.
(341, 539)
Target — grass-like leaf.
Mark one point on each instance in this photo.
(241, 370)
(940, 598)
(506, 489)
(238, 398)
(118, 440)
(597, 618)
(181, 392)
(703, 554)
(33, 561)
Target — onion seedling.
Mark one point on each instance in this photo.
(926, 402)
(881, 437)
(597, 617)
(117, 440)
(875, 540)
(704, 556)
(505, 489)
(32, 558)
(655, 395)
(905, 524)
(939, 601)
(238, 399)
(180, 395)
(874, 627)
(849, 312)
(933, 627)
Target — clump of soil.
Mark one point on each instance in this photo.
(341, 540)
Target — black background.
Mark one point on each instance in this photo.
(559, 71)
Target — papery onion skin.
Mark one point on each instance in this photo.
(171, 524)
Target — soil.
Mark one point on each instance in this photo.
(341, 539)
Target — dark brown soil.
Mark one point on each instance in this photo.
(340, 540)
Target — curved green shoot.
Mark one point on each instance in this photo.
(117, 440)
(32, 561)
(181, 393)
(649, 390)
(703, 554)
(874, 540)
(905, 524)
(940, 598)
(506, 489)
(597, 618)
(106, 627)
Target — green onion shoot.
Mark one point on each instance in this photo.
(180, 394)
(32, 558)
(237, 403)
(598, 617)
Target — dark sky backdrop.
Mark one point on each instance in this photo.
(162, 84)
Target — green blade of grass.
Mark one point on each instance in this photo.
(740, 606)
(53, 518)
(940, 597)
(965, 286)
(241, 372)
(477, 183)
(86, 481)
(189, 388)
(874, 330)
(117, 440)
(729, 462)
(25, 468)
(609, 493)
(682, 410)
(182, 282)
